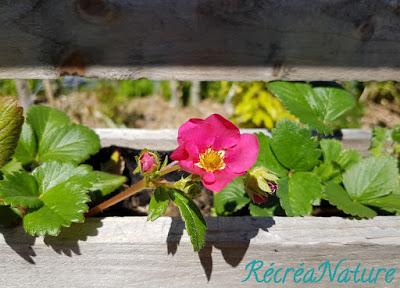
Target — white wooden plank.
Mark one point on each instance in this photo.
(156, 139)
(359, 139)
(165, 139)
(201, 39)
(132, 252)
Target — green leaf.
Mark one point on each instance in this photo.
(331, 149)
(271, 208)
(334, 152)
(317, 107)
(11, 120)
(328, 172)
(11, 167)
(298, 192)
(263, 146)
(232, 198)
(378, 142)
(194, 221)
(266, 157)
(106, 182)
(371, 178)
(158, 204)
(396, 133)
(63, 190)
(45, 120)
(295, 98)
(63, 205)
(294, 147)
(389, 202)
(52, 173)
(331, 103)
(20, 190)
(348, 158)
(27, 145)
(49, 135)
(337, 196)
(73, 143)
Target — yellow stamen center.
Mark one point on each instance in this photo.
(211, 160)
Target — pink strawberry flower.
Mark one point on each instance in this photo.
(215, 150)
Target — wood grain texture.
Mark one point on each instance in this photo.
(201, 39)
(131, 252)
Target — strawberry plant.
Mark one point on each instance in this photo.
(317, 107)
(291, 173)
(212, 150)
(44, 183)
(311, 169)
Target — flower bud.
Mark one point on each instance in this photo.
(260, 183)
(148, 162)
(188, 186)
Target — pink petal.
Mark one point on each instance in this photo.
(147, 162)
(192, 149)
(196, 131)
(186, 151)
(179, 154)
(226, 133)
(242, 157)
(209, 178)
(189, 166)
(222, 178)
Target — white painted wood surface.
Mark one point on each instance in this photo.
(155, 139)
(165, 139)
(131, 252)
(201, 39)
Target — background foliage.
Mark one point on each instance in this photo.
(249, 104)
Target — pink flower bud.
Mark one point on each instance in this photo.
(259, 199)
(148, 162)
(260, 183)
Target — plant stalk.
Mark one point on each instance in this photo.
(132, 190)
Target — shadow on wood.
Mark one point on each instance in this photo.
(67, 243)
(233, 243)
(131, 252)
(20, 242)
(16, 238)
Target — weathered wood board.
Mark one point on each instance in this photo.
(131, 252)
(201, 39)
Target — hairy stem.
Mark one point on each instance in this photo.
(132, 190)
